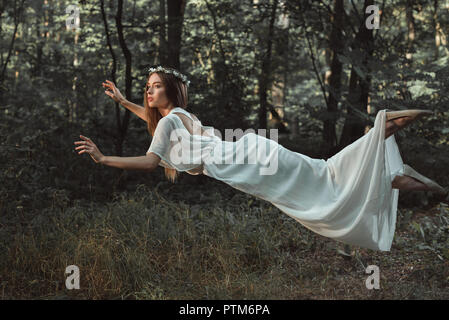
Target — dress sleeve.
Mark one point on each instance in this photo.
(161, 144)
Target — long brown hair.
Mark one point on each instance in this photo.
(176, 92)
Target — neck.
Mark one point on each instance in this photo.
(165, 111)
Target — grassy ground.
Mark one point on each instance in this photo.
(163, 243)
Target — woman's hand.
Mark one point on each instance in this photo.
(114, 93)
(88, 146)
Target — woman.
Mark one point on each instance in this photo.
(351, 197)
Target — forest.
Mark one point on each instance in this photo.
(317, 71)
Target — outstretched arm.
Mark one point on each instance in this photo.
(146, 163)
(134, 108)
(114, 93)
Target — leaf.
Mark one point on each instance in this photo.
(359, 72)
(419, 88)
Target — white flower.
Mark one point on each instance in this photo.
(174, 72)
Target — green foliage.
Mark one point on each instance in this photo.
(147, 244)
(433, 233)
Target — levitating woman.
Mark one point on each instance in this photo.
(351, 197)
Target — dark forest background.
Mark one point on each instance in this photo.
(311, 69)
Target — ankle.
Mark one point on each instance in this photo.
(408, 183)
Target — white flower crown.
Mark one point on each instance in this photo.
(174, 72)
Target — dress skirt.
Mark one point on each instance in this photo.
(348, 197)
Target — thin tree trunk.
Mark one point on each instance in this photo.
(440, 38)
(221, 70)
(74, 104)
(410, 46)
(113, 56)
(265, 77)
(163, 45)
(358, 94)
(334, 77)
(175, 13)
(411, 29)
(123, 125)
(17, 15)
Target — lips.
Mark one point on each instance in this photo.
(150, 99)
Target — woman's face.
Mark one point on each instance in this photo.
(156, 97)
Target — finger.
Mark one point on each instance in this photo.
(86, 144)
(88, 139)
(85, 149)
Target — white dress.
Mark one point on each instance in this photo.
(347, 197)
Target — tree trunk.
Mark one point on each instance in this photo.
(333, 78)
(113, 56)
(73, 104)
(123, 125)
(358, 94)
(175, 13)
(440, 38)
(264, 78)
(411, 29)
(410, 45)
(18, 9)
(163, 45)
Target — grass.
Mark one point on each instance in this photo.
(221, 244)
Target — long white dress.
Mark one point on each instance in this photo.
(347, 197)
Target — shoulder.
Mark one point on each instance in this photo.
(165, 125)
(167, 121)
(194, 116)
(185, 117)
